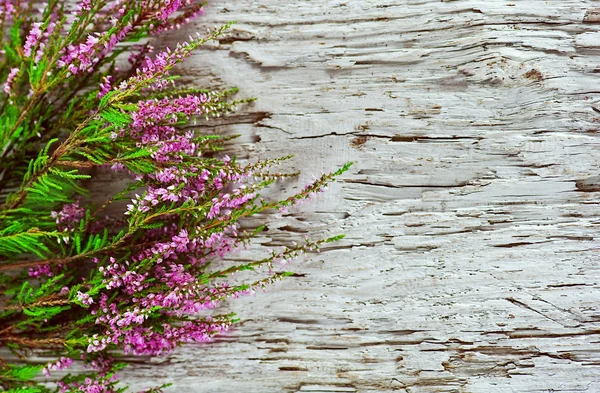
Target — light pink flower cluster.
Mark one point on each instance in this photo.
(156, 70)
(84, 298)
(105, 86)
(83, 57)
(103, 384)
(168, 8)
(217, 244)
(153, 197)
(101, 364)
(60, 364)
(40, 271)
(82, 6)
(33, 38)
(154, 125)
(7, 9)
(123, 275)
(125, 326)
(146, 341)
(154, 119)
(167, 288)
(189, 186)
(109, 42)
(194, 10)
(226, 203)
(38, 38)
(9, 80)
(69, 216)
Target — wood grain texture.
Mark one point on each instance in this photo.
(471, 213)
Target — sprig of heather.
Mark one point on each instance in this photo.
(82, 97)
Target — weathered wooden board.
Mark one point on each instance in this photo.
(471, 213)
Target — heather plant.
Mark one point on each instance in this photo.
(85, 92)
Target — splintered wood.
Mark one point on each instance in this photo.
(471, 212)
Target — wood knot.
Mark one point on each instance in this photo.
(534, 75)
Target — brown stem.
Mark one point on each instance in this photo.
(34, 343)
(56, 261)
(60, 302)
(6, 330)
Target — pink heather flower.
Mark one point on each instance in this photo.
(117, 167)
(115, 39)
(80, 58)
(84, 298)
(69, 216)
(62, 387)
(167, 9)
(154, 120)
(33, 38)
(96, 344)
(122, 275)
(177, 22)
(40, 270)
(101, 364)
(105, 86)
(160, 66)
(227, 203)
(39, 39)
(85, 56)
(101, 384)
(7, 9)
(84, 5)
(58, 365)
(181, 241)
(143, 341)
(11, 76)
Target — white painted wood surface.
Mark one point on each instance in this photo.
(471, 213)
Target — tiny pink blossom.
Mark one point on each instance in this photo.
(9, 80)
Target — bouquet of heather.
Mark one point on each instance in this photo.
(85, 92)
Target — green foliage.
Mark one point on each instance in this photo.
(24, 389)
(13, 242)
(115, 117)
(20, 372)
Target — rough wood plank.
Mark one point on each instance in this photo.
(471, 261)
